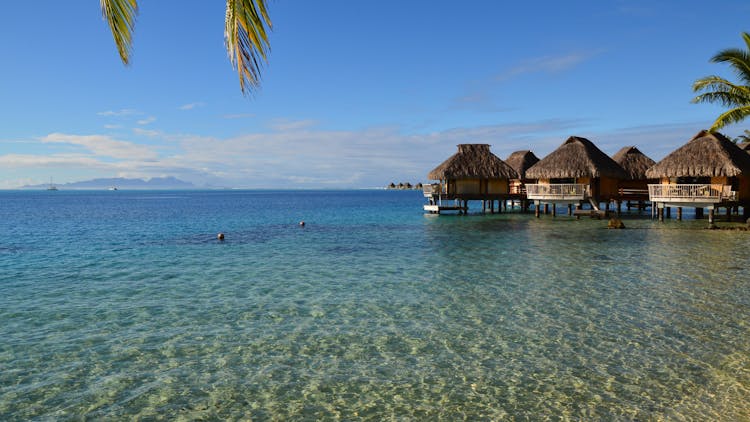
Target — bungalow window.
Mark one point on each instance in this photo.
(693, 180)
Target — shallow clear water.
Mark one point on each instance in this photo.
(123, 304)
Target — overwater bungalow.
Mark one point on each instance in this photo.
(521, 161)
(635, 186)
(472, 173)
(575, 172)
(707, 172)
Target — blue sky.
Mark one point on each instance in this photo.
(355, 94)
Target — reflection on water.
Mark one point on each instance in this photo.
(370, 313)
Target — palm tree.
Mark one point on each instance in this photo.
(719, 90)
(245, 34)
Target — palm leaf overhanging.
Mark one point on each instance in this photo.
(735, 96)
(120, 16)
(246, 39)
(245, 34)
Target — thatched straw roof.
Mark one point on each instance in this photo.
(708, 154)
(634, 162)
(521, 161)
(576, 157)
(472, 161)
(745, 146)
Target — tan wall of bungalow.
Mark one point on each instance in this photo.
(467, 186)
(496, 186)
(479, 186)
(720, 181)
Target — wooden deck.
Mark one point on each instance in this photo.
(690, 195)
(557, 192)
(437, 209)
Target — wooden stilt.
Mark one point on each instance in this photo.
(619, 207)
(554, 210)
(570, 209)
(661, 214)
(669, 212)
(679, 213)
(536, 210)
(711, 218)
(546, 209)
(699, 213)
(729, 214)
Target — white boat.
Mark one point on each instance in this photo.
(51, 185)
(112, 188)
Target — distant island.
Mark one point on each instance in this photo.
(121, 183)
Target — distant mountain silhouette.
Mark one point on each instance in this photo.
(122, 183)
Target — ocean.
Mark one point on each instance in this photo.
(123, 304)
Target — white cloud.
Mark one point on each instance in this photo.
(284, 125)
(122, 112)
(147, 120)
(102, 145)
(547, 64)
(60, 160)
(304, 156)
(191, 106)
(146, 132)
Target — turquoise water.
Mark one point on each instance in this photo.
(123, 304)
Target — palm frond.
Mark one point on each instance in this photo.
(735, 115)
(246, 39)
(726, 99)
(713, 82)
(719, 90)
(120, 16)
(738, 60)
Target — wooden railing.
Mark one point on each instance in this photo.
(567, 191)
(518, 189)
(704, 193)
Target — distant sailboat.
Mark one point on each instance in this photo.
(51, 185)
